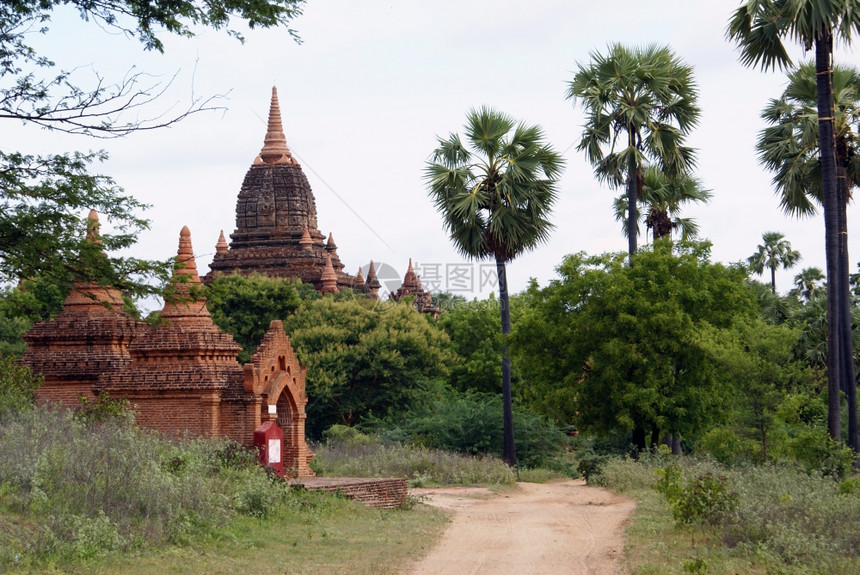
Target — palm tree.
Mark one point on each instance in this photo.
(495, 193)
(789, 147)
(774, 252)
(639, 103)
(759, 27)
(661, 200)
(807, 284)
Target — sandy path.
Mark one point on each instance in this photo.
(541, 529)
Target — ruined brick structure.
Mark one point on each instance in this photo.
(181, 375)
(411, 287)
(276, 222)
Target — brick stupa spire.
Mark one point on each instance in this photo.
(184, 301)
(329, 278)
(372, 285)
(275, 150)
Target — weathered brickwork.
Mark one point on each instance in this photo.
(383, 493)
(411, 287)
(181, 375)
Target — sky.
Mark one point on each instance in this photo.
(373, 84)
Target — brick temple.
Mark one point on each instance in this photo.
(276, 222)
(411, 287)
(181, 375)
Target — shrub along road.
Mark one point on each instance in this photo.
(541, 529)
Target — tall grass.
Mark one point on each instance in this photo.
(421, 465)
(786, 520)
(82, 489)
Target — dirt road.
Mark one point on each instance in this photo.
(540, 529)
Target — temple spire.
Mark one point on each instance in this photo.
(222, 246)
(329, 277)
(275, 150)
(184, 300)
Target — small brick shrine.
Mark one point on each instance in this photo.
(181, 376)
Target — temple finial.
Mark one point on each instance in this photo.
(329, 277)
(221, 247)
(275, 150)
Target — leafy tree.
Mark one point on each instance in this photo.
(364, 358)
(495, 195)
(623, 346)
(758, 362)
(43, 197)
(23, 305)
(639, 103)
(475, 332)
(775, 251)
(245, 306)
(759, 28)
(661, 199)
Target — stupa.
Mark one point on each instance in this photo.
(276, 221)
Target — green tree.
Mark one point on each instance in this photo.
(775, 251)
(245, 306)
(759, 28)
(495, 195)
(364, 358)
(639, 103)
(624, 345)
(661, 199)
(757, 359)
(43, 198)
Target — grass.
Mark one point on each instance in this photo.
(311, 534)
(787, 522)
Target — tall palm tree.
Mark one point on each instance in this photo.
(775, 251)
(495, 194)
(661, 199)
(789, 147)
(759, 28)
(639, 103)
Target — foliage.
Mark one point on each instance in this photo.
(639, 103)
(757, 360)
(704, 499)
(86, 487)
(784, 521)
(245, 306)
(475, 331)
(628, 342)
(661, 199)
(102, 409)
(469, 423)
(44, 197)
(421, 465)
(364, 358)
(17, 387)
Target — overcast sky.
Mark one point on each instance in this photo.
(373, 84)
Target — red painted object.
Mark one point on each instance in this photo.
(269, 441)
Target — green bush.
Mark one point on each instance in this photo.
(471, 423)
(17, 386)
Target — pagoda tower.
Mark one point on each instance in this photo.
(276, 220)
